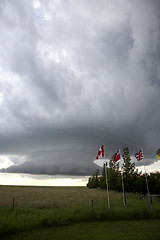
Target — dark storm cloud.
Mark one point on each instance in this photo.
(75, 75)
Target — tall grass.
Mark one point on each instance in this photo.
(121, 230)
(37, 207)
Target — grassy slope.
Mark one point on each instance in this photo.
(121, 230)
(41, 207)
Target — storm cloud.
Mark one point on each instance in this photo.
(75, 75)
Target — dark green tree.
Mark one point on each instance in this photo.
(133, 181)
(114, 175)
(102, 180)
(154, 182)
(128, 170)
(93, 181)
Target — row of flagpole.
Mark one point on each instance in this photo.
(117, 157)
(139, 156)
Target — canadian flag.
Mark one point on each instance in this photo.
(100, 152)
(117, 156)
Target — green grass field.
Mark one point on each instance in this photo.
(121, 230)
(45, 209)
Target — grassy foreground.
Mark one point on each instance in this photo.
(121, 230)
(51, 207)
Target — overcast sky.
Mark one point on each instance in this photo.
(75, 75)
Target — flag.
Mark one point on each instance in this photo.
(117, 156)
(139, 155)
(158, 154)
(100, 152)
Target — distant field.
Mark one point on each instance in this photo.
(48, 207)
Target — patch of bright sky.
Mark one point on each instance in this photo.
(154, 167)
(9, 160)
(5, 162)
(41, 180)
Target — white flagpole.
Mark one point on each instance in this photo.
(149, 196)
(145, 172)
(107, 184)
(124, 196)
(146, 178)
(107, 180)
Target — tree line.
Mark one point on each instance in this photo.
(133, 181)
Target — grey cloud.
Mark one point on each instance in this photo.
(74, 76)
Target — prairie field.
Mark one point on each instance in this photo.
(121, 230)
(27, 209)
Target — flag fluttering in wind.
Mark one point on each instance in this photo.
(139, 155)
(101, 157)
(100, 152)
(158, 154)
(117, 156)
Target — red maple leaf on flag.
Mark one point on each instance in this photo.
(117, 156)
